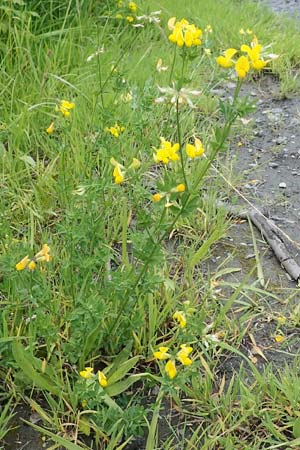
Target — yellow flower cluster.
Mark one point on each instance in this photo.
(129, 11)
(65, 107)
(42, 255)
(167, 152)
(119, 171)
(184, 33)
(116, 130)
(88, 373)
(252, 59)
(182, 356)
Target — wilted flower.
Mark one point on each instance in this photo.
(96, 53)
(173, 95)
(153, 17)
(160, 67)
(136, 164)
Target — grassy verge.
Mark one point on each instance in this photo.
(101, 245)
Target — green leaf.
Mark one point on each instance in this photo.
(61, 441)
(24, 361)
(28, 160)
(84, 427)
(120, 358)
(296, 428)
(121, 386)
(201, 253)
(89, 344)
(122, 370)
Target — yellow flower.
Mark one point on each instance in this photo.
(184, 33)
(119, 16)
(226, 60)
(242, 31)
(167, 152)
(254, 54)
(180, 317)
(162, 354)
(156, 197)
(170, 368)
(32, 265)
(180, 187)
(130, 19)
(242, 66)
(193, 151)
(102, 379)
(64, 107)
(87, 373)
(118, 173)
(50, 129)
(208, 29)
(116, 130)
(279, 338)
(132, 6)
(23, 263)
(44, 254)
(183, 355)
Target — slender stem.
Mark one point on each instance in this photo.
(180, 143)
(173, 65)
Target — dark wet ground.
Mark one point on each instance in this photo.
(291, 7)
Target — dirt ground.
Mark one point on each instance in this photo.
(267, 160)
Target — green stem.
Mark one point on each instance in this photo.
(180, 143)
(173, 65)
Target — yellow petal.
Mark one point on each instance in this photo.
(170, 368)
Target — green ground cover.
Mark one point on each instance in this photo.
(101, 243)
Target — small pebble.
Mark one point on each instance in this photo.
(273, 165)
(282, 185)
